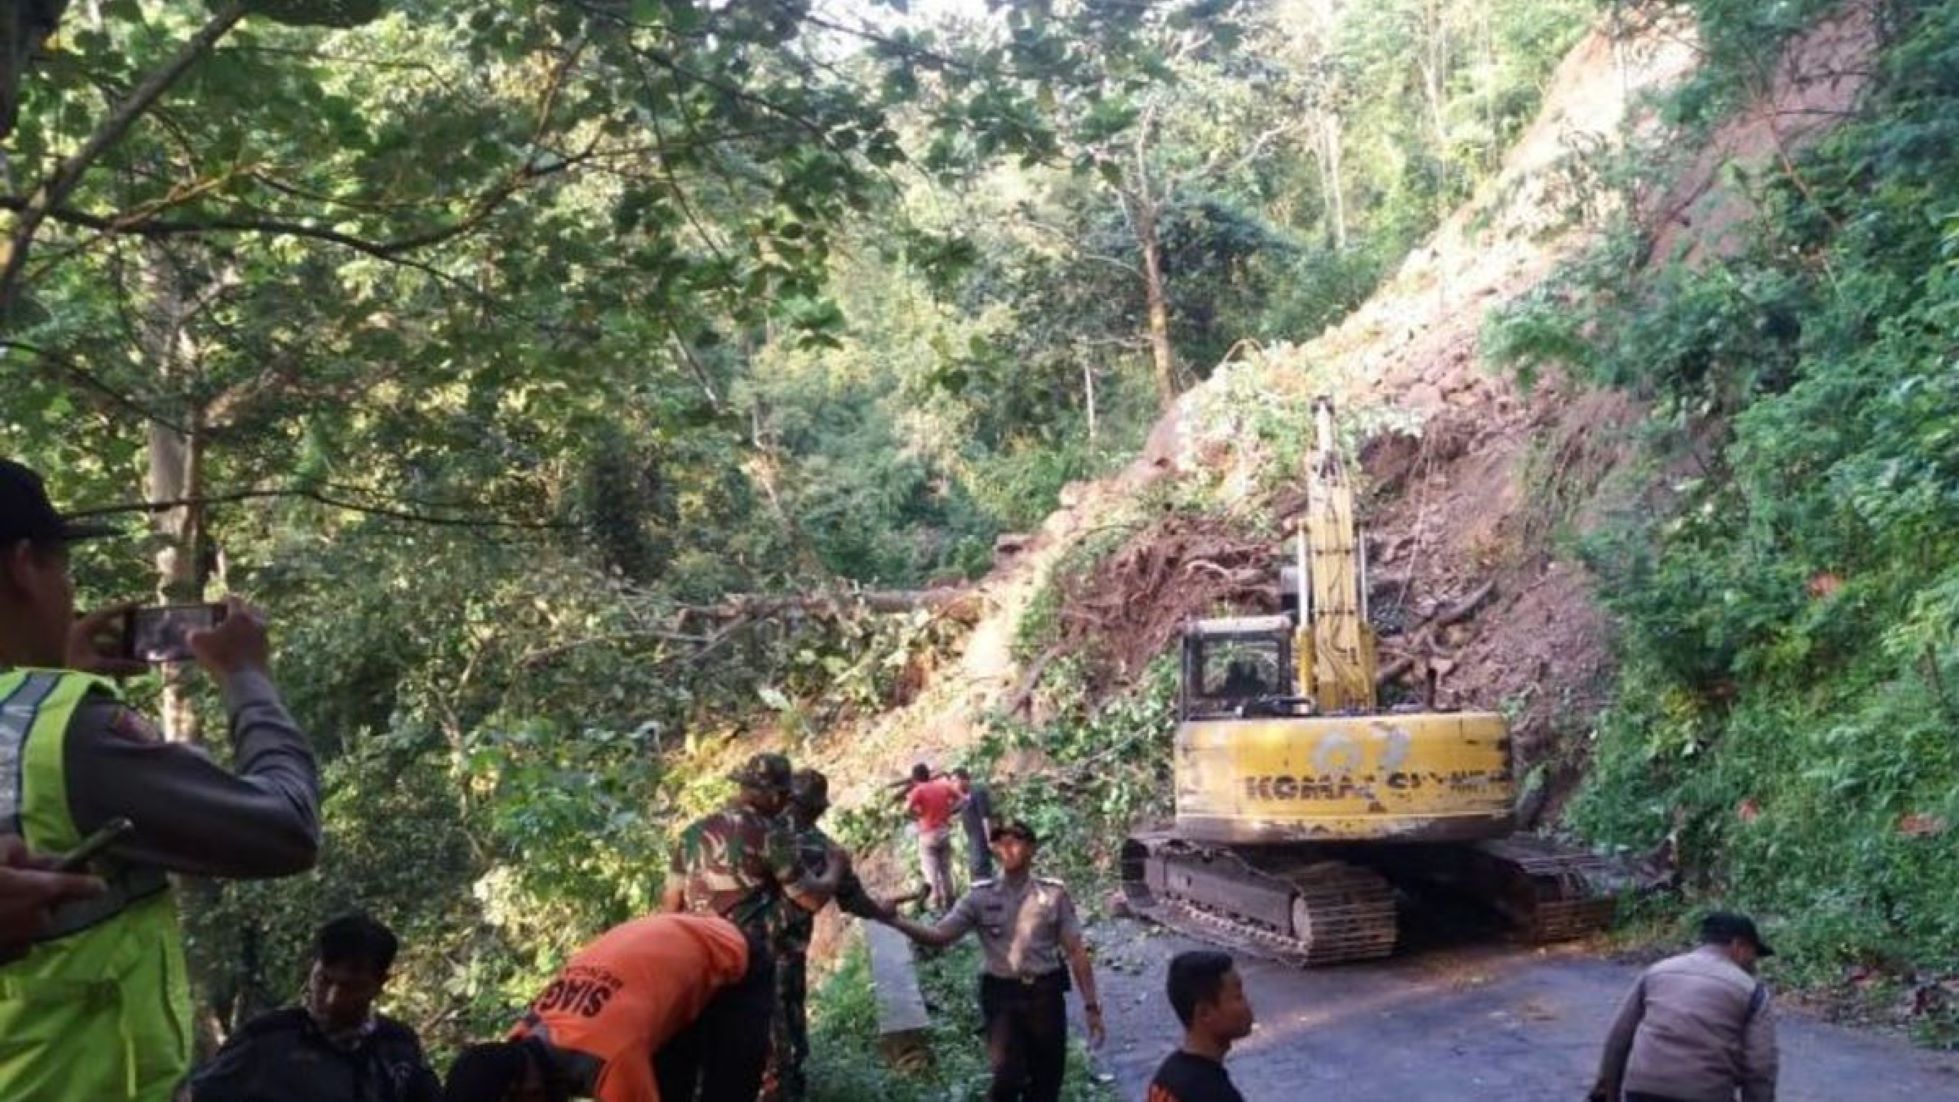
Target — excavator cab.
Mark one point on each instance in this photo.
(1237, 666)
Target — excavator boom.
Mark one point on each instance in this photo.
(1336, 643)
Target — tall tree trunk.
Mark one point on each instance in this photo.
(1088, 394)
(1434, 63)
(176, 473)
(1330, 161)
(1162, 358)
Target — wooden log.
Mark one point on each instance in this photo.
(1420, 644)
(1023, 694)
(1465, 608)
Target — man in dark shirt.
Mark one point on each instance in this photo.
(976, 815)
(333, 1047)
(1209, 998)
(809, 798)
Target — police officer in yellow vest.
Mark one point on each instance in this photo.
(97, 1009)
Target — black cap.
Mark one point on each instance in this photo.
(809, 790)
(769, 771)
(1722, 927)
(1015, 828)
(486, 1071)
(27, 514)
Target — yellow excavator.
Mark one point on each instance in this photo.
(1304, 807)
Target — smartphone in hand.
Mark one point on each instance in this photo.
(77, 859)
(162, 633)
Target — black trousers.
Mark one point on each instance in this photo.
(719, 1057)
(1026, 1028)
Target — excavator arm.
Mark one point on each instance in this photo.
(1333, 642)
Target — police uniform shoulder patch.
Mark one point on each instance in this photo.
(130, 724)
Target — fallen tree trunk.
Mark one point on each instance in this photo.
(1020, 700)
(961, 603)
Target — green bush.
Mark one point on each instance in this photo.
(1787, 701)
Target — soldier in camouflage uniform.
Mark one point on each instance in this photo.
(741, 862)
(809, 798)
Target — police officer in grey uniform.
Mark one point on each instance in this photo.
(1026, 925)
(1696, 1026)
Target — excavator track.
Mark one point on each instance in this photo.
(1300, 912)
(1549, 893)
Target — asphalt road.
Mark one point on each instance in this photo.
(1477, 1023)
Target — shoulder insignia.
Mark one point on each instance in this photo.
(131, 724)
(989, 882)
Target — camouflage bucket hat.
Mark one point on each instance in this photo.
(769, 771)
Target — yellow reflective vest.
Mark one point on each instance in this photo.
(98, 1010)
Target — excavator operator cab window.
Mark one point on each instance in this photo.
(1225, 673)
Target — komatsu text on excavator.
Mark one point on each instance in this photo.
(1302, 804)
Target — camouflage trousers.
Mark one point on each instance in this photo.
(788, 1031)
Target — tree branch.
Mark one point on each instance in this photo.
(94, 382)
(329, 500)
(142, 222)
(66, 178)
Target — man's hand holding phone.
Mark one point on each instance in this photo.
(96, 643)
(125, 640)
(237, 644)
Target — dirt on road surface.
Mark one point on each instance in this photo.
(1484, 1023)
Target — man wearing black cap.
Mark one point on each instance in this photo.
(74, 759)
(1696, 1027)
(809, 798)
(741, 862)
(1026, 924)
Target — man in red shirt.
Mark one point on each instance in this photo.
(657, 1008)
(931, 802)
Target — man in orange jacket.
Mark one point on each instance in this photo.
(672, 1006)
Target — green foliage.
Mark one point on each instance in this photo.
(1107, 772)
(1786, 620)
